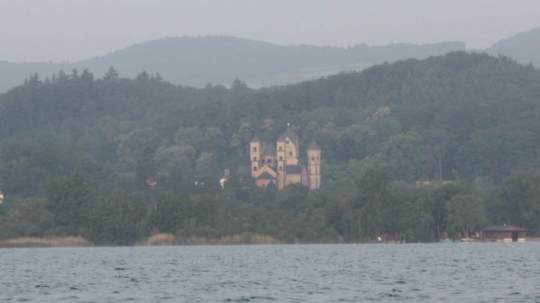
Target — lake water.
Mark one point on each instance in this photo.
(286, 273)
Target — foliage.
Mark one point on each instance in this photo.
(89, 150)
(465, 215)
(518, 200)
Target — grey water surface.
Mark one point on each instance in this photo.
(281, 273)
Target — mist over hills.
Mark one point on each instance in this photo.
(524, 47)
(197, 61)
(220, 60)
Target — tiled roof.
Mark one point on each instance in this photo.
(269, 149)
(289, 134)
(314, 146)
(504, 228)
(265, 176)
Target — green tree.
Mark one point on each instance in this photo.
(139, 148)
(466, 214)
(169, 213)
(119, 218)
(176, 167)
(111, 74)
(207, 170)
(26, 218)
(373, 195)
(70, 200)
(439, 198)
(437, 142)
(518, 200)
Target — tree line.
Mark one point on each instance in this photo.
(378, 208)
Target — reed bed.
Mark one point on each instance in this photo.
(45, 242)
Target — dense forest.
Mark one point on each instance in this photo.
(412, 151)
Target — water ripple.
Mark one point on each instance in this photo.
(292, 273)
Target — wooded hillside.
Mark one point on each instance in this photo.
(468, 118)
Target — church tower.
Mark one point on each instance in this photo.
(255, 156)
(314, 166)
(287, 157)
(281, 164)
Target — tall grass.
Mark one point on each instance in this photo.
(44, 242)
(244, 238)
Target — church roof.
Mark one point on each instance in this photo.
(268, 149)
(314, 146)
(504, 228)
(255, 139)
(265, 176)
(293, 169)
(289, 134)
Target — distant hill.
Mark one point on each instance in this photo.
(197, 61)
(523, 47)
(220, 60)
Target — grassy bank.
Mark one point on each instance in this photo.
(245, 238)
(44, 242)
(154, 240)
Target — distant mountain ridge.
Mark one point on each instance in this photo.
(197, 61)
(523, 47)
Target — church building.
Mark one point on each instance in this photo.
(280, 164)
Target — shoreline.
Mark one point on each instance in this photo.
(172, 240)
(42, 242)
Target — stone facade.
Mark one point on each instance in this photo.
(280, 165)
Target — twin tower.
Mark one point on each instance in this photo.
(279, 164)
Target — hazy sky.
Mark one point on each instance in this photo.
(37, 30)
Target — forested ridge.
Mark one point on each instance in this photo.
(76, 153)
(219, 59)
